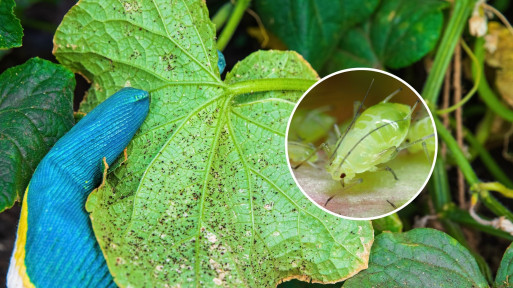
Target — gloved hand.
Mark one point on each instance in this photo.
(55, 245)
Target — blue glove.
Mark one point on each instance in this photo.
(55, 245)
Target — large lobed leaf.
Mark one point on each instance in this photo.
(399, 33)
(10, 28)
(421, 257)
(313, 28)
(205, 198)
(36, 109)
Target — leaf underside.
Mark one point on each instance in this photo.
(205, 198)
(36, 109)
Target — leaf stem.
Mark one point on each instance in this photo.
(485, 92)
(261, 85)
(232, 23)
(219, 19)
(441, 195)
(458, 20)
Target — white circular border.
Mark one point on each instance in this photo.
(378, 71)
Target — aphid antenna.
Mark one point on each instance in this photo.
(392, 95)
(416, 141)
(365, 136)
(359, 111)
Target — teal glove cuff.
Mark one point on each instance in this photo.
(55, 246)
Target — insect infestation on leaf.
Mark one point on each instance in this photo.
(372, 138)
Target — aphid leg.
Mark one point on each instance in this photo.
(356, 107)
(337, 131)
(392, 95)
(310, 156)
(353, 183)
(387, 168)
(391, 204)
(426, 152)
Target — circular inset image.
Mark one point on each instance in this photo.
(361, 143)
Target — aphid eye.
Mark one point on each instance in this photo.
(407, 140)
(343, 175)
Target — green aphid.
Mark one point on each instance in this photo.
(373, 138)
(309, 126)
(306, 127)
(300, 152)
(418, 130)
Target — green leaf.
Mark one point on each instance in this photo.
(10, 30)
(399, 33)
(391, 223)
(421, 257)
(312, 28)
(504, 276)
(36, 109)
(205, 197)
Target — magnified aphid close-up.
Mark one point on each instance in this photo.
(361, 144)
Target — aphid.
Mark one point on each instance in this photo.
(301, 152)
(418, 130)
(372, 138)
(307, 127)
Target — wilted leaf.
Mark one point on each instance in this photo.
(419, 258)
(399, 33)
(205, 197)
(10, 28)
(499, 44)
(36, 109)
(312, 28)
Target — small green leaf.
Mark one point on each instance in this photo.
(390, 223)
(36, 109)
(399, 33)
(10, 28)
(205, 197)
(504, 276)
(313, 28)
(421, 257)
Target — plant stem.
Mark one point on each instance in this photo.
(483, 128)
(485, 92)
(232, 24)
(457, 154)
(440, 186)
(488, 160)
(457, 21)
(219, 19)
(439, 189)
(488, 200)
(461, 216)
(261, 85)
